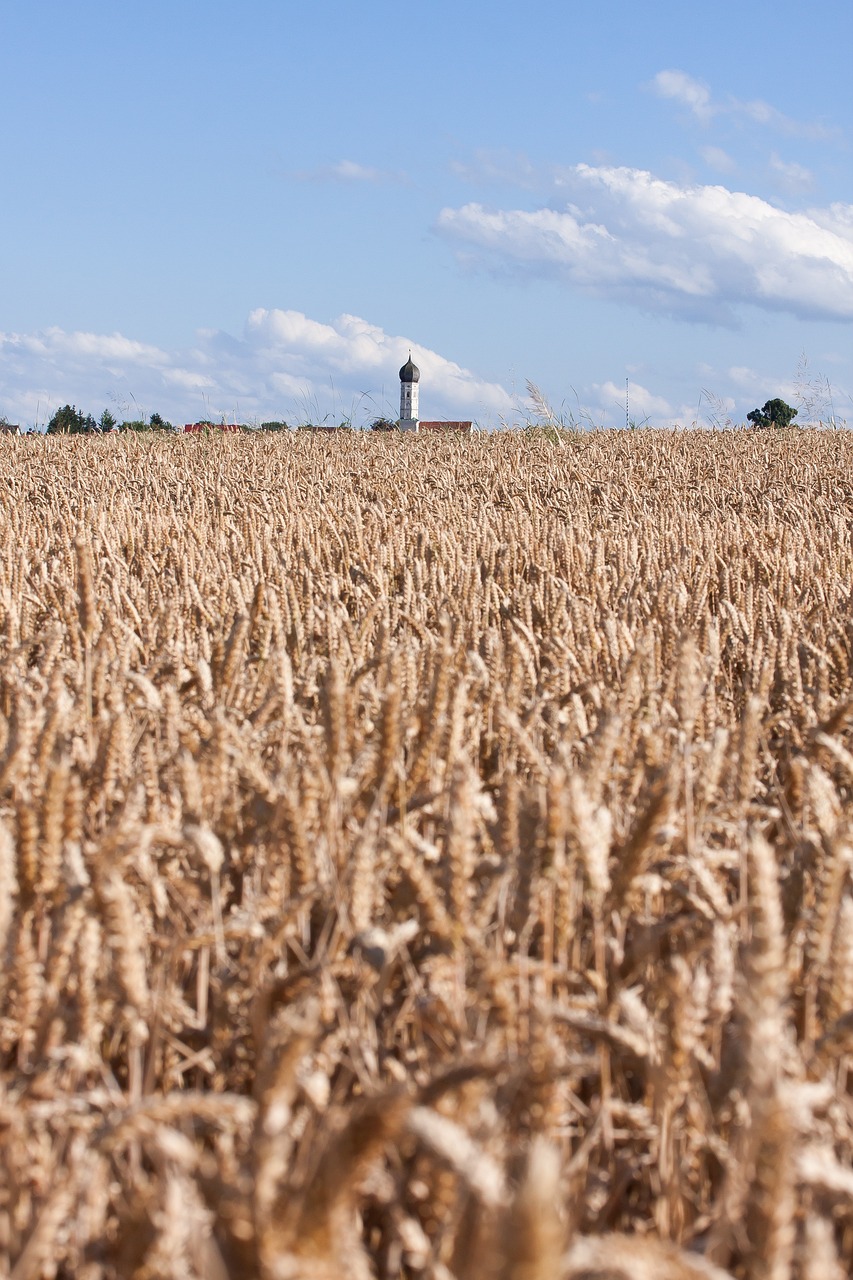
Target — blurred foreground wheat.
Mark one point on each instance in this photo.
(426, 858)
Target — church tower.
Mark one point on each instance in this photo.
(410, 376)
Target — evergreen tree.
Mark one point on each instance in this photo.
(69, 420)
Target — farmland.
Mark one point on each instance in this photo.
(426, 857)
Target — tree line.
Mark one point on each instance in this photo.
(69, 420)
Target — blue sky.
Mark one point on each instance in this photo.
(254, 210)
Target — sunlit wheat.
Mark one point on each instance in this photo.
(426, 857)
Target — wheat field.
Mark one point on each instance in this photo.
(427, 858)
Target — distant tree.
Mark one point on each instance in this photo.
(774, 414)
(383, 424)
(274, 426)
(69, 420)
(107, 422)
(154, 423)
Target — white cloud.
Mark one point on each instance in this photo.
(691, 93)
(837, 218)
(597, 405)
(351, 172)
(697, 251)
(285, 365)
(718, 159)
(499, 168)
(361, 355)
(642, 403)
(189, 380)
(679, 86)
(83, 347)
(792, 176)
(744, 377)
(817, 399)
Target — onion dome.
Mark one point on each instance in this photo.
(410, 372)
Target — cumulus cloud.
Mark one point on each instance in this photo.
(597, 405)
(285, 365)
(80, 348)
(362, 355)
(691, 250)
(679, 86)
(642, 403)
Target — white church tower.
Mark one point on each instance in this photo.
(410, 376)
